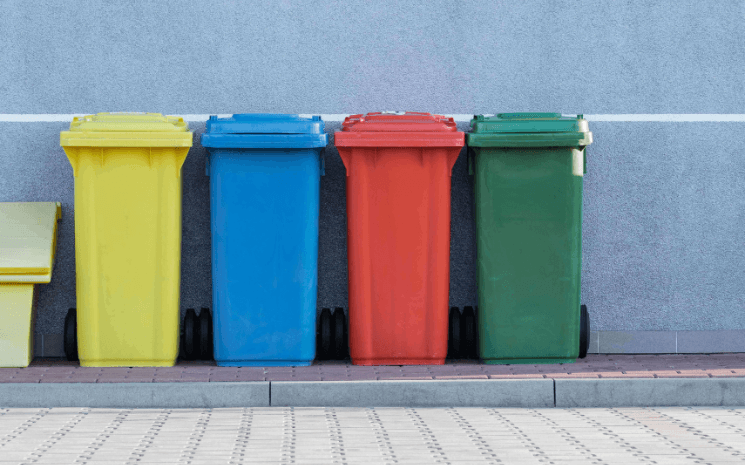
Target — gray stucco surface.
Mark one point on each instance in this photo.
(664, 202)
(664, 224)
(341, 56)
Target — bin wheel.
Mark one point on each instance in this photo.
(189, 336)
(205, 333)
(584, 331)
(454, 341)
(71, 335)
(340, 334)
(325, 334)
(468, 333)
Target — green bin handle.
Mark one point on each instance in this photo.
(584, 160)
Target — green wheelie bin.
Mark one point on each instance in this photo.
(528, 170)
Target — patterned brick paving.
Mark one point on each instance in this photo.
(594, 366)
(277, 435)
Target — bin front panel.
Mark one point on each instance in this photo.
(128, 254)
(529, 230)
(398, 207)
(264, 211)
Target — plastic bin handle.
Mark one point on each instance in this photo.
(321, 156)
(584, 160)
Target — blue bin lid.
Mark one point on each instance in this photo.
(264, 130)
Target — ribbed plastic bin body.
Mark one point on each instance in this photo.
(264, 195)
(28, 240)
(398, 220)
(127, 170)
(528, 171)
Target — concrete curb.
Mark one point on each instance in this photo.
(461, 393)
(135, 395)
(650, 392)
(527, 393)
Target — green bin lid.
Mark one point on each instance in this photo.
(529, 130)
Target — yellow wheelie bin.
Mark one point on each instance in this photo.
(28, 239)
(127, 169)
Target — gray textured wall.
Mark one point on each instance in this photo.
(342, 56)
(664, 203)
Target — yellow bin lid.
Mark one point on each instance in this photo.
(127, 130)
(28, 237)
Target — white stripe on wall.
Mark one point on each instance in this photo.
(671, 118)
(663, 118)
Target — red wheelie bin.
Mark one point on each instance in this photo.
(398, 223)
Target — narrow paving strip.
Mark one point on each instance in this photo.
(592, 367)
(708, 435)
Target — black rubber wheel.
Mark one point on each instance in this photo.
(71, 335)
(584, 331)
(325, 334)
(454, 341)
(340, 334)
(188, 338)
(468, 333)
(205, 334)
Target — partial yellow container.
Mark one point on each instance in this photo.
(127, 169)
(28, 240)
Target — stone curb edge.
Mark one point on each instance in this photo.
(528, 393)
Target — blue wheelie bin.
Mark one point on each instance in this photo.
(264, 195)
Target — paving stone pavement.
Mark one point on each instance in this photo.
(373, 435)
(594, 366)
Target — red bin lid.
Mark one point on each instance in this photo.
(399, 129)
